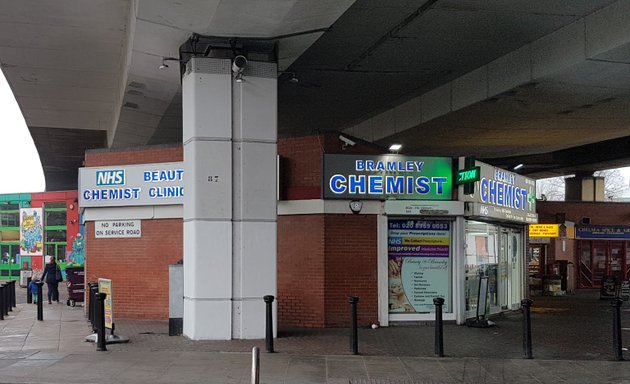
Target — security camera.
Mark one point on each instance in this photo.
(238, 64)
(347, 141)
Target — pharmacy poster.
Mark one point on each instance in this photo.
(31, 232)
(418, 264)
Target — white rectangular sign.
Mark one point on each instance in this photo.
(126, 185)
(117, 228)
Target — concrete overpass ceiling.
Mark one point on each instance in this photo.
(151, 97)
(442, 76)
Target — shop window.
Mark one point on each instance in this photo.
(419, 265)
(55, 236)
(481, 262)
(55, 218)
(9, 215)
(58, 250)
(56, 204)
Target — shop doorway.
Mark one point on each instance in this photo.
(495, 253)
(601, 259)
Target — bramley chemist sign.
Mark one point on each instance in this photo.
(141, 184)
(387, 177)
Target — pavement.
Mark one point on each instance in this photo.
(572, 343)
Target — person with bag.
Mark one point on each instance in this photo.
(52, 276)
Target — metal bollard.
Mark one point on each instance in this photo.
(255, 366)
(29, 294)
(100, 334)
(40, 301)
(1, 301)
(616, 304)
(269, 324)
(13, 293)
(3, 307)
(354, 336)
(7, 301)
(7, 298)
(439, 331)
(92, 306)
(527, 328)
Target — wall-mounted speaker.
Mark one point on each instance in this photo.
(586, 221)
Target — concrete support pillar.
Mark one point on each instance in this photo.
(230, 136)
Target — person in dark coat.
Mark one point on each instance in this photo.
(50, 277)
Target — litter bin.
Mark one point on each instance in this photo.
(76, 285)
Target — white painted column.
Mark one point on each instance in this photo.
(230, 134)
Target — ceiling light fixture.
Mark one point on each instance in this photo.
(518, 166)
(395, 148)
(164, 60)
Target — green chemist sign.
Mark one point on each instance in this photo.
(387, 177)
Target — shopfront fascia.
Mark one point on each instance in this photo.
(418, 227)
(496, 219)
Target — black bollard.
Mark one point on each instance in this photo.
(616, 304)
(1, 301)
(354, 336)
(5, 298)
(101, 340)
(439, 332)
(29, 294)
(93, 306)
(269, 323)
(40, 301)
(13, 293)
(527, 328)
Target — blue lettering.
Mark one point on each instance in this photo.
(439, 184)
(360, 165)
(375, 185)
(483, 190)
(338, 184)
(422, 185)
(357, 184)
(394, 184)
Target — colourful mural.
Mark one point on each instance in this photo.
(31, 232)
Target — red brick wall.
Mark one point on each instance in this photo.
(301, 165)
(601, 213)
(323, 259)
(138, 267)
(301, 267)
(351, 253)
(136, 155)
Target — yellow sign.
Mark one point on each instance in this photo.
(105, 286)
(544, 230)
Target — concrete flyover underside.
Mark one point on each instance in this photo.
(508, 81)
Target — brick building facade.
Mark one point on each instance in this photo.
(138, 267)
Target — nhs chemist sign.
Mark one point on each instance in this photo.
(501, 195)
(142, 184)
(387, 177)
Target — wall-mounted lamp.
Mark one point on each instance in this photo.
(164, 60)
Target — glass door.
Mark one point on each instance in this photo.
(598, 265)
(616, 263)
(504, 286)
